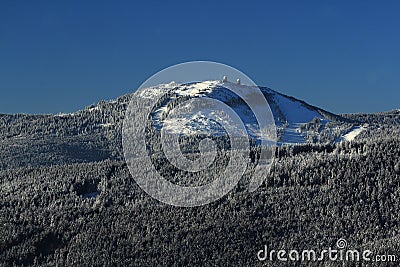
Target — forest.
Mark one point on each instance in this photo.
(67, 198)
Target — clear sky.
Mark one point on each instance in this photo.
(60, 56)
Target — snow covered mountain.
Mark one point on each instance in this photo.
(297, 122)
(95, 133)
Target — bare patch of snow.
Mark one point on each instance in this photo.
(112, 101)
(64, 114)
(292, 135)
(350, 136)
(106, 124)
(294, 111)
(93, 109)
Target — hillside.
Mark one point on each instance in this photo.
(67, 197)
(94, 133)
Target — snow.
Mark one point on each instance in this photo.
(112, 101)
(65, 114)
(197, 122)
(295, 111)
(155, 91)
(350, 136)
(296, 114)
(106, 124)
(289, 114)
(93, 109)
(62, 115)
(292, 135)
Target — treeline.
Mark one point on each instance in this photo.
(93, 119)
(380, 118)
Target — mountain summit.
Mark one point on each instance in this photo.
(297, 122)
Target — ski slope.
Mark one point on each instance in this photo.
(350, 136)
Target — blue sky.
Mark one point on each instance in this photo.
(60, 56)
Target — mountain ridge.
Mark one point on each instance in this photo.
(94, 133)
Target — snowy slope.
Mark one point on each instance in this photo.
(295, 114)
(289, 113)
(353, 133)
(295, 111)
